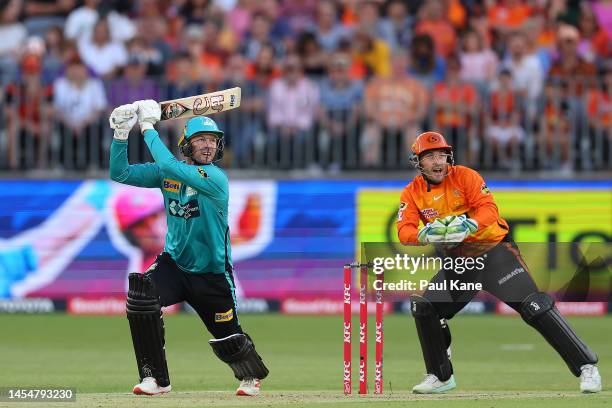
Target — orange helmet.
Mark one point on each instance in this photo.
(429, 141)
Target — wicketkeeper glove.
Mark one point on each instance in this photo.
(432, 232)
(149, 113)
(458, 228)
(122, 119)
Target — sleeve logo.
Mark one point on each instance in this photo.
(202, 172)
(484, 189)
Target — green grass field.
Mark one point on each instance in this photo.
(499, 362)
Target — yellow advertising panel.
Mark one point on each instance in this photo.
(555, 230)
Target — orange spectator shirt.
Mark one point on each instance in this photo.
(459, 99)
(463, 191)
(442, 33)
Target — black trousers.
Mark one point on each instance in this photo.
(210, 294)
(505, 275)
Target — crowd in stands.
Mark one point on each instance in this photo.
(331, 84)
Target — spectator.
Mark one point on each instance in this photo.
(341, 99)
(81, 21)
(556, 127)
(396, 28)
(133, 85)
(526, 72)
(433, 22)
(280, 30)
(181, 83)
(258, 35)
(595, 45)
(238, 19)
(369, 18)
(52, 59)
(313, 57)
(371, 52)
(263, 70)
(425, 65)
(79, 101)
(40, 15)
(599, 109)
(245, 126)
(207, 57)
(291, 113)
(300, 14)
(570, 67)
(503, 128)
(478, 62)
(195, 12)
(13, 34)
(100, 53)
(508, 15)
(328, 31)
(152, 52)
(394, 104)
(455, 104)
(28, 113)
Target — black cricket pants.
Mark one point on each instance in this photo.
(505, 276)
(210, 294)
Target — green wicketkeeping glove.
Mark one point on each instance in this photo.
(432, 232)
(458, 227)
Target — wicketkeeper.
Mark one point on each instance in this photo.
(196, 265)
(455, 206)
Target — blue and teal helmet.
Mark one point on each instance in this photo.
(201, 124)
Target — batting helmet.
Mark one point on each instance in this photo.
(201, 124)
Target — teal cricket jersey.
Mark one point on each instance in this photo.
(195, 199)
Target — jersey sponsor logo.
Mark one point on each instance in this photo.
(202, 172)
(429, 213)
(225, 316)
(400, 212)
(172, 185)
(484, 189)
(190, 191)
(189, 210)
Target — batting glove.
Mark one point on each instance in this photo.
(149, 114)
(432, 232)
(122, 119)
(459, 227)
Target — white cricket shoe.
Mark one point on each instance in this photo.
(431, 385)
(149, 386)
(590, 380)
(249, 387)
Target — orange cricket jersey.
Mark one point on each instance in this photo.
(463, 191)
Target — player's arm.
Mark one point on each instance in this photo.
(122, 120)
(207, 179)
(480, 200)
(407, 219)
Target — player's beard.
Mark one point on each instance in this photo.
(209, 158)
(437, 174)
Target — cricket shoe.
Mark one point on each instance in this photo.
(590, 380)
(431, 385)
(149, 386)
(249, 387)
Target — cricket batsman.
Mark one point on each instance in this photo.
(455, 206)
(196, 264)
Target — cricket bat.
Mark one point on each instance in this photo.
(205, 104)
